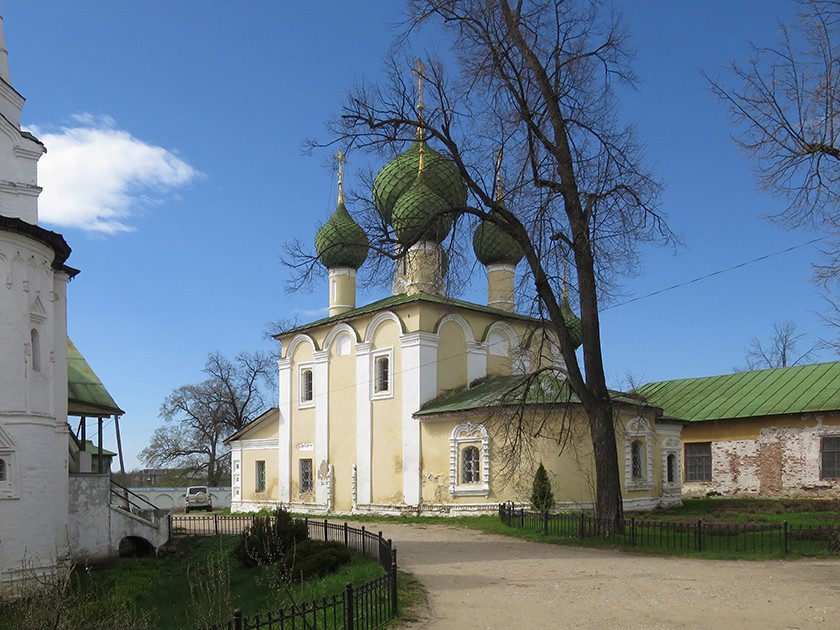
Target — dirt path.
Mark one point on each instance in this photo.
(479, 580)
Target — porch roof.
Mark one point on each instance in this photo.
(86, 395)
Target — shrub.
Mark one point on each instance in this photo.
(270, 539)
(541, 496)
(317, 558)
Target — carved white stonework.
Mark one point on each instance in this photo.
(469, 434)
(638, 429)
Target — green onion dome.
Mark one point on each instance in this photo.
(341, 242)
(572, 322)
(420, 213)
(493, 246)
(398, 175)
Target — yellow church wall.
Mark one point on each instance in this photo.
(386, 422)
(451, 359)
(249, 474)
(266, 430)
(303, 424)
(342, 426)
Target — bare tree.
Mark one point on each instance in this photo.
(786, 103)
(199, 417)
(537, 79)
(781, 350)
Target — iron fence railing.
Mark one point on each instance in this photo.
(697, 535)
(359, 607)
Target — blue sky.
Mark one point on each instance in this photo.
(190, 116)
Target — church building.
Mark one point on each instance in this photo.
(409, 404)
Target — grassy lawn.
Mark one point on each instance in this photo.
(150, 592)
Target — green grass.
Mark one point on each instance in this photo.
(161, 586)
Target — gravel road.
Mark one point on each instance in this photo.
(477, 580)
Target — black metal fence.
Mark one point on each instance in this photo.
(699, 535)
(360, 607)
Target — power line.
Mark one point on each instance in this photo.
(713, 273)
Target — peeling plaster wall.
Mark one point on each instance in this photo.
(782, 461)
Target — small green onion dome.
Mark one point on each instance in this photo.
(341, 242)
(398, 175)
(493, 246)
(420, 213)
(572, 322)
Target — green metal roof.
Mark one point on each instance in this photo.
(791, 390)
(398, 300)
(90, 447)
(513, 390)
(86, 395)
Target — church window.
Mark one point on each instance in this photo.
(382, 374)
(36, 350)
(470, 465)
(260, 475)
(698, 461)
(637, 450)
(305, 475)
(830, 458)
(670, 465)
(306, 385)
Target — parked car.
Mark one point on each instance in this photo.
(198, 498)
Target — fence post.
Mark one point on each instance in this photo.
(325, 530)
(522, 517)
(348, 606)
(633, 531)
(699, 535)
(394, 580)
(784, 537)
(582, 530)
(237, 619)
(346, 535)
(216, 524)
(363, 540)
(545, 523)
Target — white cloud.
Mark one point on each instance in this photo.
(97, 177)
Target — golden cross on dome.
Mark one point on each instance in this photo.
(499, 155)
(341, 160)
(419, 72)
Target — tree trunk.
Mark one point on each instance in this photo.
(609, 508)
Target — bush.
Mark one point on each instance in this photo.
(541, 496)
(270, 539)
(317, 558)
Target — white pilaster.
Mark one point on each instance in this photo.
(284, 431)
(320, 373)
(419, 385)
(476, 361)
(364, 430)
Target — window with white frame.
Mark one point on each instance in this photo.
(670, 468)
(638, 461)
(305, 468)
(260, 476)
(7, 475)
(671, 450)
(382, 377)
(306, 396)
(469, 460)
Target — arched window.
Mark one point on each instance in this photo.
(670, 468)
(2, 470)
(637, 454)
(470, 465)
(306, 385)
(36, 350)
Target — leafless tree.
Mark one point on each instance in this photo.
(785, 101)
(199, 417)
(536, 78)
(781, 350)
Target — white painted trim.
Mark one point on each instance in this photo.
(254, 445)
(374, 356)
(464, 435)
(463, 323)
(296, 341)
(322, 425)
(638, 429)
(418, 385)
(364, 428)
(379, 319)
(301, 402)
(337, 331)
(476, 361)
(284, 430)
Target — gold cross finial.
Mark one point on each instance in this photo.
(419, 71)
(499, 155)
(565, 281)
(341, 160)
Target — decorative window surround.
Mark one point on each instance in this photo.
(671, 448)
(638, 429)
(8, 481)
(464, 435)
(382, 386)
(306, 386)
